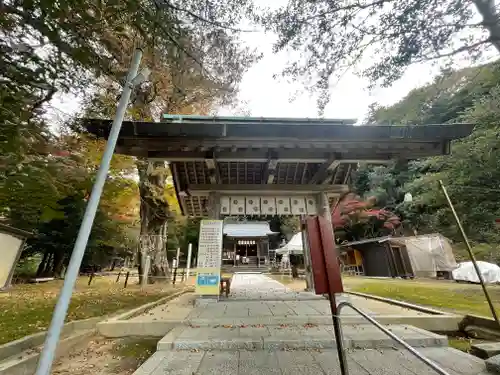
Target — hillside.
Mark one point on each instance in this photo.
(471, 173)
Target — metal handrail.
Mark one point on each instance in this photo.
(411, 349)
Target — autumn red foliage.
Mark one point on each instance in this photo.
(355, 214)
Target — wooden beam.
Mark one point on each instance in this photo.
(288, 156)
(326, 169)
(347, 174)
(178, 189)
(246, 189)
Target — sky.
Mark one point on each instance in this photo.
(261, 95)
(266, 96)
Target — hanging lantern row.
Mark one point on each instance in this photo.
(246, 242)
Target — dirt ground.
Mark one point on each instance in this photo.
(102, 356)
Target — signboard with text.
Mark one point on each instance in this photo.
(209, 257)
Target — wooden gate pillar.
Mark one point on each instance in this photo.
(326, 268)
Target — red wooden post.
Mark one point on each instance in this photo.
(324, 257)
(326, 272)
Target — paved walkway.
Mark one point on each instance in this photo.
(260, 287)
(261, 297)
(308, 362)
(264, 328)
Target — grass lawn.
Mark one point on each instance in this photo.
(440, 294)
(27, 308)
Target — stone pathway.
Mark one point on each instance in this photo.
(308, 362)
(249, 287)
(265, 328)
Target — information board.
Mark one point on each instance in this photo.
(209, 257)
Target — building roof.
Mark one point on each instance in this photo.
(238, 154)
(366, 240)
(251, 229)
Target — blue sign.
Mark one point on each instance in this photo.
(208, 280)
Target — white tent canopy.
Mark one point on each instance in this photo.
(294, 246)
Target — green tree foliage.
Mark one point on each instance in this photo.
(49, 48)
(53, 48)
(53, 211)
(329, 37)
(471, 172)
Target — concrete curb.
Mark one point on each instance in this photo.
(15, 347)
(20, 357)
(25, 362)
(407, 305)
(141, 309)
(117, 329)
(118, 326)
(137, 328)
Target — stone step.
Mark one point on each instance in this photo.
(307, 336)
(438, 323)
(317, 362)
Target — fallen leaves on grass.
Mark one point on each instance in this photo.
(28, 308)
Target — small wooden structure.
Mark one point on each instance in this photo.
(406, 257)
(375, 257)
(11, 245)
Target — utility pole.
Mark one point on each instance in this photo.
(188, 265)
(471, 253)
(61, 309)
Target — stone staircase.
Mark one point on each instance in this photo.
(307, 349)
(287, 337)
(265, 329)
(251, 267)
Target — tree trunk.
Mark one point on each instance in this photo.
(49, 266)
(487, 10)
(154, 215)
(41, 267)
(58, 264)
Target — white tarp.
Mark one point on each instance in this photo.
(428, 254)
(467, 272)
(294, 246)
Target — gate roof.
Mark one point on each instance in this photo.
(253, 155)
